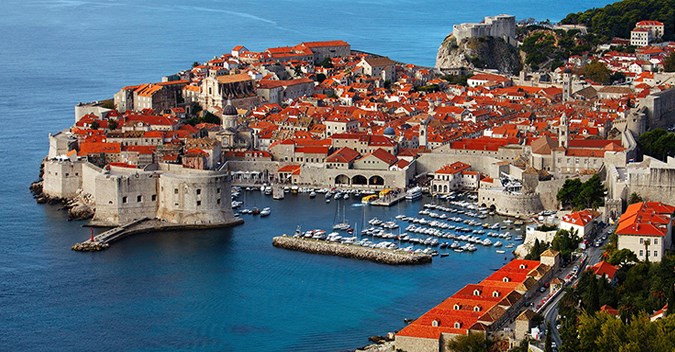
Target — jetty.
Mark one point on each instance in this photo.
(103, 240)
(378, 255)
(389, 199)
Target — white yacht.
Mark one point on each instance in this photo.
(413, 193)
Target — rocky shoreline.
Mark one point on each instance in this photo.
(383, 256)
(78, 208)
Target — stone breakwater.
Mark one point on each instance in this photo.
(384, 256)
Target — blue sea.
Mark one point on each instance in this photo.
(220, 290)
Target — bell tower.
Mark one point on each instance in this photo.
(563, 132)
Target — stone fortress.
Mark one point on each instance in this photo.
(500, 26)
(175, 195)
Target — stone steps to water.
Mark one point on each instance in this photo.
(384, 256)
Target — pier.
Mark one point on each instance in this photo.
(389, 200)
(384, 256)
(105, 239)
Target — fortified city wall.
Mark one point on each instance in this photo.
(511, 204)
(655, 182)
(125, 196)
(62, 178)
(660, 108)
(194, 197)
(500, 26)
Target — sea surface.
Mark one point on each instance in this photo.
(220, 290)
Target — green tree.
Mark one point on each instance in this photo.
(622, 257)
(671, 299)
(112, 124)
(536, 250)
(326, 63)
(469, 343)
(565, 243)
(195, 64)
(95, 125)
(320, 77)
(634, 198)
(591, 194)
(597, 71)
(568, 192)
(669, 63)
(297, 70)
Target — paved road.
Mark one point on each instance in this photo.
(551, 312)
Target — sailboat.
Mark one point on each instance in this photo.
(344, 225)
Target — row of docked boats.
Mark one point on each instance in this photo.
(256, 211)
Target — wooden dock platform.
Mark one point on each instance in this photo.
(389, 200)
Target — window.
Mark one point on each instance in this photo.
(139, 198)
(435, 323)
(124, 199)
(522, 266)
(640, 240)
(456, 307)
(457, 325)
(506, 279)
(476, 292)
(641, 254)
(199, 202)
(656, 253)
(218, 201)
(218, 190)
(175, 191)
(495, 293)
(199, 191)
(154, 197)
(656, 241)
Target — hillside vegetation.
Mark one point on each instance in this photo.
(619, 18)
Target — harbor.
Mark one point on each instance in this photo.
(442, 227)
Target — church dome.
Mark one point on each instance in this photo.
(229, 110)
(389, 131)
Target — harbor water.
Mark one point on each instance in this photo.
(215, 290)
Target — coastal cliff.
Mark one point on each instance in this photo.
(485, 53)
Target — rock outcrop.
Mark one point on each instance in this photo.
(481, 53)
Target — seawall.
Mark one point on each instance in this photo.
(384, 256)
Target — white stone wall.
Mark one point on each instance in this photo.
(416, 344)
(62, 178)
(195, 198)
(636, 245)
(123, 198)
(512, 204)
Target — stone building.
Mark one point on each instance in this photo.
(453, 177)
(500, 26)
(279, 91)
(238, 88)
(123, 194)
(380, 67)
(646, 229)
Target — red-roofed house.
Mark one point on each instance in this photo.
(476, 308)
(646, 229)
(580, 221)
(343, 158)
(454, 177)
(604, 269)
(379, 159)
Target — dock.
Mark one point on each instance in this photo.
(383, 256)
(105, 239)
(389, 200)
